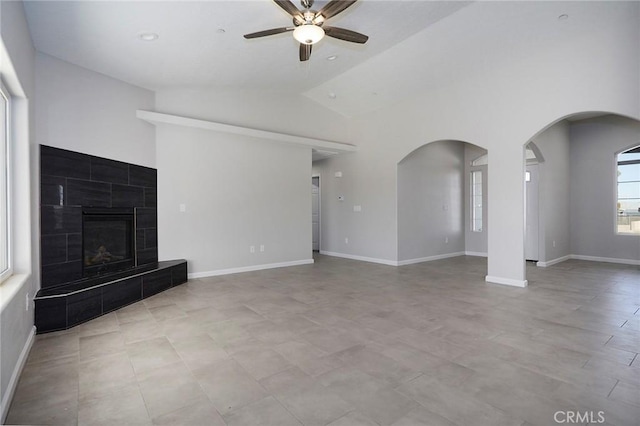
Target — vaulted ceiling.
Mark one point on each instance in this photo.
(201, 43)
(413, 45)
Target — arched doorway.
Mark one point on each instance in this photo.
(442, 202)
(579, 186)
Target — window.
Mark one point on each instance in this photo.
(628, 200)
(476, 201)
(5, 234)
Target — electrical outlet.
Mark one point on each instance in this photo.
(261, 247)
(183, 208)
(346, 240)
(252, 249)
(554, 244)
(446, 240)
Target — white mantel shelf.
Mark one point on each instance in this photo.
(318, 144)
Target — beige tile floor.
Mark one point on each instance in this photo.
(350, 343)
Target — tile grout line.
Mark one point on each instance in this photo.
(614, 386)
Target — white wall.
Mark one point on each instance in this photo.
(500, 107)
(554, 193)
(431, 201)
(83, 111)
(16, 319)
(594, 144)
(475, 242)
(238, 192)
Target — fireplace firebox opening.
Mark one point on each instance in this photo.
(108, 240)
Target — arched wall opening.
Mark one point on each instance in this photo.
(435, 202)
(578, 189)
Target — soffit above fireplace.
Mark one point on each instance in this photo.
(326, 147)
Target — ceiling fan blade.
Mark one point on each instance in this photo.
(305, 52)
(289, 7)
(346, 35)
(265, 33)
(334, 7)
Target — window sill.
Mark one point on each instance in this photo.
(10, 287)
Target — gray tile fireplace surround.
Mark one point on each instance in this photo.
(72, 183)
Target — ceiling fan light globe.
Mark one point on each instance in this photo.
(308, 34)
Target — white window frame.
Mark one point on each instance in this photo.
(6, 181)
(617, 196)
(474, 197)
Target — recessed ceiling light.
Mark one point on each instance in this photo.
(148, 36)
(332, 57)
(332, 95)
(563, 17)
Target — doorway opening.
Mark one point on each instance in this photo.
(533, 158)
(315, 213)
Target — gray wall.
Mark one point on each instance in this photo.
(84, 111)
(237, 192)
(16, 319)
(594, 144)
(338, 219)
(487, 109)
(554, 194)
(431, 201)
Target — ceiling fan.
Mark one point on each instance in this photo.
(308, 25)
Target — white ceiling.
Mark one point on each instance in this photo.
(414, 46)
(192, 51)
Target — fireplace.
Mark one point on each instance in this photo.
(108, 240)
(98, 238)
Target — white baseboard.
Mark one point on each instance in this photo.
(361, 258)
(606, 259)
(429, 258)
(15, 376)
(506, 281)
(476, 253)
(589, 259)
(392, 262)
(553, 261)
(249, 268)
